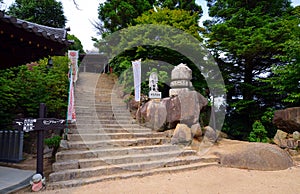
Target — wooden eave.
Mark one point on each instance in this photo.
(22, 42)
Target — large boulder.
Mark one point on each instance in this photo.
(256, 156)
(287, 120)
(153, 114)
(184, 108)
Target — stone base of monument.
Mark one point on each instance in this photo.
(177, 91)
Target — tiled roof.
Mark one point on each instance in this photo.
(54, 34)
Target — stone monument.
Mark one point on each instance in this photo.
(181, 77)
(183, 106)
(153, 80)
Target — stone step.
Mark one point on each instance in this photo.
(116, 143)
(82, 88)
(106, 136)
(95, 91)
(131, 174)
(86, 114)
(120, 168)
(116, 117)
(104, 117)
(91, 98)
(120, 159)
(113, 151)
(101, 112)
(93, 95)
(107, 130)
(104, 106)
(106, 121)
(102, 125)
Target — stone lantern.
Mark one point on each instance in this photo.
(181, 77)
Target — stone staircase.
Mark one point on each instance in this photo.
(107, 144)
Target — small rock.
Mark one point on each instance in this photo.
(210, 134)
(196, 131)
(182, 135)
(296, 135)
(280, 138)
(169, 133)
(291, 143)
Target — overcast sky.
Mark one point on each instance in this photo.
(80, 21)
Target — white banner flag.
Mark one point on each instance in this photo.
(71, 117)
(136, 66)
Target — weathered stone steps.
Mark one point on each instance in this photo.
(106, 120)
(120, 159)
(116, 143)
(103, 152)
(131, 174)
(105, 135)
(96, 130)
(120, 168)
(105, 143)
(115, 125)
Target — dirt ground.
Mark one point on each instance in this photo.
(207, 180)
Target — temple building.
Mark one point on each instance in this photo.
(23, 42)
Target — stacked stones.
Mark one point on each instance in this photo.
(181, 110)
(181, 77)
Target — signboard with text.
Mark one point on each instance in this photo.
(29, 124)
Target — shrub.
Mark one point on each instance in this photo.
(258, 133)
(53, 142)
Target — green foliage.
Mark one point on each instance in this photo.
(53, 141)
(23, 88)
(77, 44)
(180, 4)
(115, 15)
(246, 39)
(180, 19)
(46, 12)
(258, 133)
(151, 49)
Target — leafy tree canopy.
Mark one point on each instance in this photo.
(46, 12)
(180, 19)
(285, 78)
(77, 43)
(180, 4)
(246, 37)
(156, 36)
(115, 15)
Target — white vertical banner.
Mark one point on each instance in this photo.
(73, 56)
(71, 117)
(136, 66)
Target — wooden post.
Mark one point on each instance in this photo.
(40, 143)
